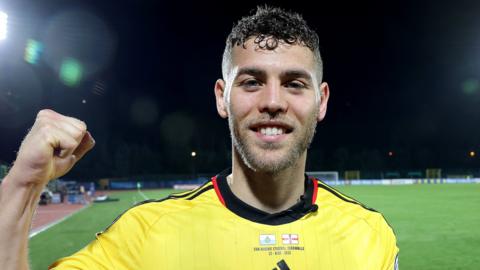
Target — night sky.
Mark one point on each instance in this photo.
(404, 78)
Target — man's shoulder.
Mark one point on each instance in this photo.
(178, 201)
(150, 211)
(348, 207)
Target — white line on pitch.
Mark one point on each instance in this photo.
(142, 194)
(48, 226)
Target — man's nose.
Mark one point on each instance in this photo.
(272, 99)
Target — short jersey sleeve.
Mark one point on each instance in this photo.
(93, 256)
(118, 247)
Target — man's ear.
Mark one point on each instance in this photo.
(324, 95)
(220, 93)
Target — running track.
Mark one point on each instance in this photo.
(48, 215)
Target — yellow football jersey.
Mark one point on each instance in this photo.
(210, 228)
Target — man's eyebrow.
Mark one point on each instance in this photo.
(297, 73)
(291, 73)
(253, 71)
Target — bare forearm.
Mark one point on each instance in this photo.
(53, 145)
(17, 206)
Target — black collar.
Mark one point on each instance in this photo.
(234, 204)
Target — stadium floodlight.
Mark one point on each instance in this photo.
(3, 25)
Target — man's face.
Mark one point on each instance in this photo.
(271, 106)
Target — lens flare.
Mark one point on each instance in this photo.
(470, 86)
(33, 51)
(71, 72)
(144, 111)
(80, 35)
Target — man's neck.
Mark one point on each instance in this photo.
(269, 192)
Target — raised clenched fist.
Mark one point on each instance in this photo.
(51, 148)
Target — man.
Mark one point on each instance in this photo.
(263, 213)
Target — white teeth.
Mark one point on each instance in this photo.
(272, 131)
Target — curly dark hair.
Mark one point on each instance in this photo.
(269, 26)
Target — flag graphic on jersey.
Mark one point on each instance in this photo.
(290, 239)
(267, 239)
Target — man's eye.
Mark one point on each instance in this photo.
(250, 83)
(294, 84)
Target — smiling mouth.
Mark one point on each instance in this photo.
(272, 130)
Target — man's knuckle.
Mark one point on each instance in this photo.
(46, 128)
(83, 125)
(44, 112)
(79, 134)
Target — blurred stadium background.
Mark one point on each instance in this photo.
(401, 136)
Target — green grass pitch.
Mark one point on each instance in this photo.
(437, 226)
